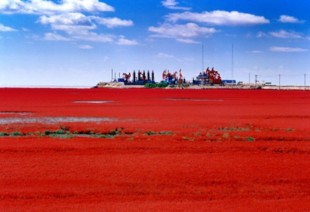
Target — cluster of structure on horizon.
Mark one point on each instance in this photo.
(139, 78)
(209, 77)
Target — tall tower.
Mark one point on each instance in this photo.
(203, 57)
(232, 61)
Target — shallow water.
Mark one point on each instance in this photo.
(53, 120)
(195, 100)
(20, 113)
(92, 101)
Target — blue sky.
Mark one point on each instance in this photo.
(78, 42)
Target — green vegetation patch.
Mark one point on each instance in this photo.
(63, 132)
(150, 133)
(250, 139)
(16, 134)
(162, 84)
(3, 134)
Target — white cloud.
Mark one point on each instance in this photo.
(86, 47)
(173, 4)
(182, 33)
(94, 37)
(164, 55)
(261, 35)
(87, 5)
(72, 17)
(74, 29)
(287, 49)
(285, 34)
(42, 7)
(169, 3)
(64, 18)
(186, 40)
(219, 17)
(289, 19)
(71, 23)
(256, 52)
(55, 37)
(113, 22)
(6, 28)
(126, 42)
(80, 27)
(9, 6)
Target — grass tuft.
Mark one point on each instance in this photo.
(165, 133)
(3, 134)
(60, 132)
(151, 133)
(251, 139)
(16, 134)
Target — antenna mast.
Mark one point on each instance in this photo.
(232, 61)
(203, 57)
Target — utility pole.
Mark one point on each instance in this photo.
(203, 57)
(256, 79)
(232, 61)
(279, 81)
(249, 77)
(305, 81)
(112, 75)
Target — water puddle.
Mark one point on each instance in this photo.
(53, 120)
(92, 101)
(196, 100)
(20, 113)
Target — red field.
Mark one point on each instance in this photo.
(154, 150)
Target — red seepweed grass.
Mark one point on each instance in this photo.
(154, 149)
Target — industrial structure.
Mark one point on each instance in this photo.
(211, 77)
(139, 78)
(207, 77)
